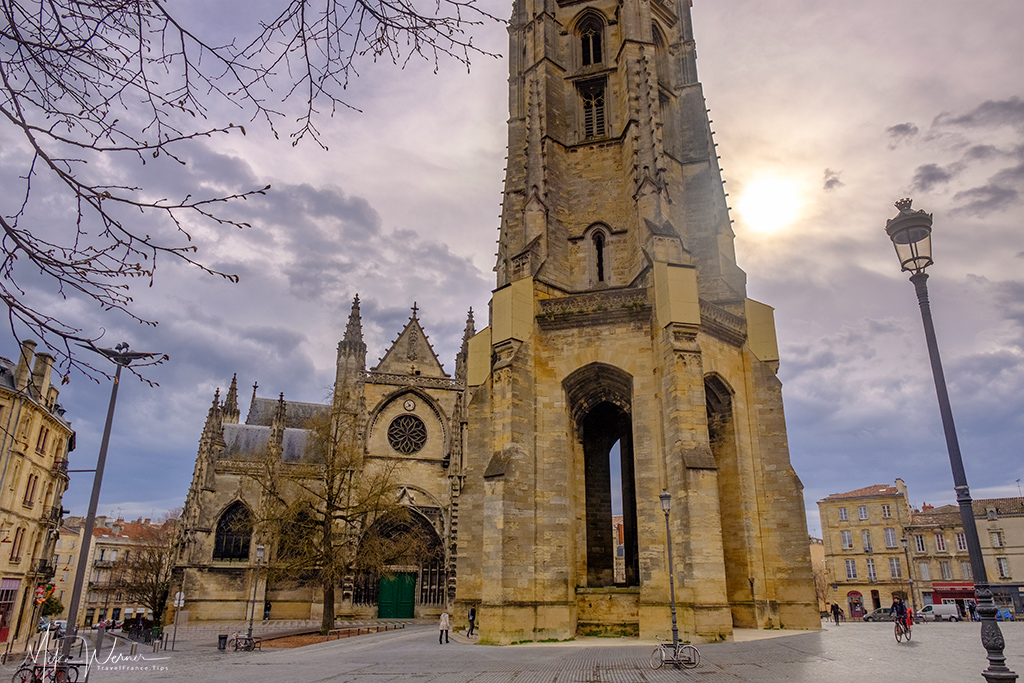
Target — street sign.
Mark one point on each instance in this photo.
(40, 594)
(179, 599)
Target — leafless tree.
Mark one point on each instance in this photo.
(142, 574)
(86, 83)
(821, 586)
(322, 516)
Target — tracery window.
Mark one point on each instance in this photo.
(592, 94)
(591, 32)
(234, 532)
(407, 434)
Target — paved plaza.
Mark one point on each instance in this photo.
(938, 653)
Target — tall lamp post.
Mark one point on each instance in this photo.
(666, 505)
(910, 577)
(122, 358)
(911, 234)
(255, 584)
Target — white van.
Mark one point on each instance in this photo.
(938, 613)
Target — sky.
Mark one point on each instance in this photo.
(830, 110)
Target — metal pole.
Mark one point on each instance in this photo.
(991, 635)
(671, 585)
(255, 585)
(910, 580)
(90, 519)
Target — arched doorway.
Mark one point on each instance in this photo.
(855, 601)
(413, 556)
(600, 402)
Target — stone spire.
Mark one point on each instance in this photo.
(230, 409)
(277, 427)
(461, 359)
(213, 430)
(350, 374)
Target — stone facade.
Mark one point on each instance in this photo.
(34, 448)
(620, 317)
(620, 324)
(407, 409)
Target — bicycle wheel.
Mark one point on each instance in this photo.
(57, 675)
(233, 643)
(72, 673)
(23, 675)
(249, 645)
(688, 656)
(898, 631)
(657, 658)
(906, 632)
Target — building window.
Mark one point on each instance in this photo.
(234, 531)
(1004, 567)
(871, 569)
(41, 441)
(961, 541)
(924, 571)
(894, 568)
(940, 543)
(591, 32)
(842, 514)
(592, 94)
(851, 569)
(19, 539)
(947, 571)
(997, 539)
(599, 253)
(862, 512)
(30, 490)
(967, 571)
(407, 434)
(886, 512)
(919, 542)
(865, 537)
(847, 538)
(890, 538)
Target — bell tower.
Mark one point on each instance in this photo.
(622, 357)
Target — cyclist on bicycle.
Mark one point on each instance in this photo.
(899, 610)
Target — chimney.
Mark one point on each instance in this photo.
(925, 507)
(21, 376)
(41, 374)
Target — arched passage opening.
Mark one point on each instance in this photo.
(600, 400)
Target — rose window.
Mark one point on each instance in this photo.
(407, 434)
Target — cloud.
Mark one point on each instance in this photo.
(832, 180)
(988, 114)
(928, 176)
(900, 133)
(981, 201)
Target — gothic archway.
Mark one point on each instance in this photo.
(600, 402)
(234, 532)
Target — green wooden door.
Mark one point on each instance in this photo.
(397, 597)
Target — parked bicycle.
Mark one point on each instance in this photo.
(682, 655)
(241, 641)
(32, 672)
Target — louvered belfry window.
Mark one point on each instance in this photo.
(592, 93)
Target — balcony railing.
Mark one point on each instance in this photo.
(60, 465)
(52, 514)
(43, 568)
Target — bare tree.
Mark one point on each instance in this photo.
(329, 515)
(142, 574)
(821, 586)
(84, 83)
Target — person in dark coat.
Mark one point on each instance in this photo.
(472, 621)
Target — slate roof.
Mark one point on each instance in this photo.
(296, 414)
(949, 515)
(249, 442)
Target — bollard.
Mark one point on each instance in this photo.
(134, 649)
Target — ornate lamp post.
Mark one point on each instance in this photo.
(122, 358)
(255, 584)
(910, 577)
(911, 234)
(666, 505)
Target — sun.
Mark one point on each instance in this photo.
(769, 204)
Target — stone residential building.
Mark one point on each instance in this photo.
(864, 556)
(940, 563)
(620, 317)
(35, 442)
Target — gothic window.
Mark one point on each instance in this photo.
(661, 68)
(599, 255)
(234, 531)
(591, 32)
(407, 434)
(592, 94)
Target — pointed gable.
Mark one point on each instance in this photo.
(411, 353)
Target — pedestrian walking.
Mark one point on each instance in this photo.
(472, 620)
(835, 612)
(445, 625)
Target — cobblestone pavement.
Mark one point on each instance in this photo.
(938, 653)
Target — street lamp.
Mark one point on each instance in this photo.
(910, 232)
(666, 505)
(910, 578)
(255, 583)
(122, 358)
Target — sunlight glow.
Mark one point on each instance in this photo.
(769, 204)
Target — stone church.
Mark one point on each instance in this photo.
(619, 335)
